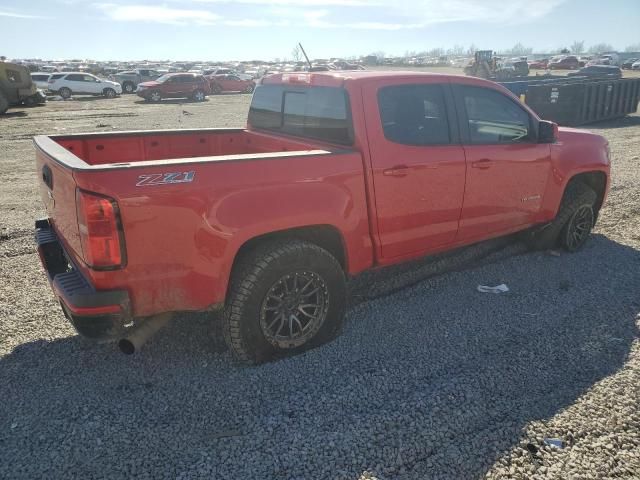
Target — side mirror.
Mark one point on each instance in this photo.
(547, 132)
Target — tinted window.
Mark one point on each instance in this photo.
(414, 114)
(40, 78)
(75, 78)
(315, 112)
(494, 118)
(56, 76)
(89, 78)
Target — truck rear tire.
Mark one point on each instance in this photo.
(284, 298)
(573, 223)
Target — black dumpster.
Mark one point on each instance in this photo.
(586, 101)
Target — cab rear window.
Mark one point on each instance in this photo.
(320, 113)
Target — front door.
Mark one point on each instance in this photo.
(173, 86)
(507, 170)
(418, 165)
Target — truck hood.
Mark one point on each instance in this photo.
(151, 83)
(575, 134)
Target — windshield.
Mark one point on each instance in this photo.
(163, 78)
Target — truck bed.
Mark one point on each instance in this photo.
(117, 148)
(189, 199)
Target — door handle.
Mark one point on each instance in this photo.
(397, 171)
(484, 163)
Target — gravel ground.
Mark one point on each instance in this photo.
(431, 379)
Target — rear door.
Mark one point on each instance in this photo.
(507, 169)
(418, 165)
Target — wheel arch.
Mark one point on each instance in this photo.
(324, 236)
(597, 180)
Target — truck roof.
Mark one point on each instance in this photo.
(338, 78)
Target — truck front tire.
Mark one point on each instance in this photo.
(573, 223)
(284, 298)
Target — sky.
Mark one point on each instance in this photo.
(270, 29)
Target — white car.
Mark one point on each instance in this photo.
(41, 79)
(635, 65)
(79, 83)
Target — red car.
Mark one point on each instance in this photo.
(335, 174)
(230, 83)
(539, 64)
(570, 62)
(175, 85)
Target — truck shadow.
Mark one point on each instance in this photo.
(437, 380)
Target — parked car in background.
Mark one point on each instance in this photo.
(609, 59)
(48, 68)
(79, 83)
(41, 79)
(130, 79)
(636, 65)
(584, 59)
(230, 83)
(519, 67)
(627, 64)
(175, 85)
(539, 64)
(568, 62)
(604, 71)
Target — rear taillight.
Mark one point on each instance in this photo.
(100, 231)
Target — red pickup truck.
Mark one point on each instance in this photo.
(336, 173)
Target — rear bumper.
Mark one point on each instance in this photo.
(94, 314)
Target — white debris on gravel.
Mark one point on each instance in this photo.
(428, 380)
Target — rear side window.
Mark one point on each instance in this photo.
(494, 118)
(57, 76)
(314, 112)
(414, 114)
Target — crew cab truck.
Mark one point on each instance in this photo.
(336, 173)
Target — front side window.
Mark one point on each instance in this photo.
(494, 118)
(414, 114)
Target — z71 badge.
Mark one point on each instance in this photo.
(165, 178)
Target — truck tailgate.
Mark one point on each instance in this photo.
(58, 192)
